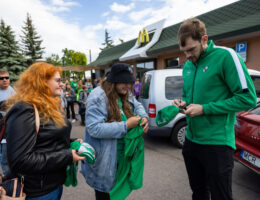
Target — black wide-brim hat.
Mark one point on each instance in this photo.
(120, 73)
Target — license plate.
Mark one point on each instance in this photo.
(250, 158)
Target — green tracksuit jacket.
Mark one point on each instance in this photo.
(220, 82)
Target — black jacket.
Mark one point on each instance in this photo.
(42, 158)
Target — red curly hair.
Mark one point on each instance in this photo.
(32, 88)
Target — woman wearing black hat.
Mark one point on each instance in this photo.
(105, 127)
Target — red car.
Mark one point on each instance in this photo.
(247, 129)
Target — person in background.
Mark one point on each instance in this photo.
(74, 84)
(82, 103)
(90, 89)
(71, 98)
(63, 98)
(137, 88)
(87, 83)
(42, 157)
(216, 86)
(6, 91)
(105, 128)
(80, 85)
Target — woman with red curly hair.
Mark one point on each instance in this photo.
(41, 158)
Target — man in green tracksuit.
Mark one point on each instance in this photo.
(216, 86)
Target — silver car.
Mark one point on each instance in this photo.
(159, 88)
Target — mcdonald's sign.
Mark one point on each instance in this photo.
(143, 36)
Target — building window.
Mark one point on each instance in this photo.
(145, 65)
(172, 63)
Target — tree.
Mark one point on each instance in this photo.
(11, 58)
(67, 57)
(54, 59)
(108, 42)
(31, 42)
(70, 57)
(121, 40)
(79, 58)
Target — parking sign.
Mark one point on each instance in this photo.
(241, 50)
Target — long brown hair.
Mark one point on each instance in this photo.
(113, 108)
(32, 88)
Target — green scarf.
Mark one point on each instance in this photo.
(129, 175)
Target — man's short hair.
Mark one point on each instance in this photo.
(193, 28)
(3, 72)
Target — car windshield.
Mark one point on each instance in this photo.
(256, 110)
(256, 81)
(173, 87)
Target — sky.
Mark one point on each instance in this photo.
(80, 24)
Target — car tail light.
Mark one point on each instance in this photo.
(152, 110)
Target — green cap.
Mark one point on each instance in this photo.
(166, 114)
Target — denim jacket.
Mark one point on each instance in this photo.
(103, 137)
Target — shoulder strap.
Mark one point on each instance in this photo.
(37, 119)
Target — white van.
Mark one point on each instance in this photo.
(159, 88)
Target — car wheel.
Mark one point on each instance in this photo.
(178, 134)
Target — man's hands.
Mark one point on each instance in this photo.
(191, 110)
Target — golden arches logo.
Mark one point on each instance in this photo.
(143, 36)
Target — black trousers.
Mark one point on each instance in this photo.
(102, 195)
(70, 106)
(209, 169)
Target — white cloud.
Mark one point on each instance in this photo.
(63, 3)
(121, 8)
(105, 14)
(138, 16)
(56, 33)
(61, 6)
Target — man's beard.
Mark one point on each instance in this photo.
(195, 58)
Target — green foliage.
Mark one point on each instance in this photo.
(79, 58)
(108, 42)
(67, 57)
(31, 42)
(70, 57)
(11, 58)
(54, 59)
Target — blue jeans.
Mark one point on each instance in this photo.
(3, 158)
(54, 195)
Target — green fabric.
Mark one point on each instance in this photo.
(166, 114)
(78, 91)
(74, 85)
(71, 171)
(90, 90)
(129, 175)
(214, 82)
(120, 142)
(71, 175)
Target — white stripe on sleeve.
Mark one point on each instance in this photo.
(238, 66)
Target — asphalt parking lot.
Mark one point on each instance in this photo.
(165, 176)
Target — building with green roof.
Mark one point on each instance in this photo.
(234, 25)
